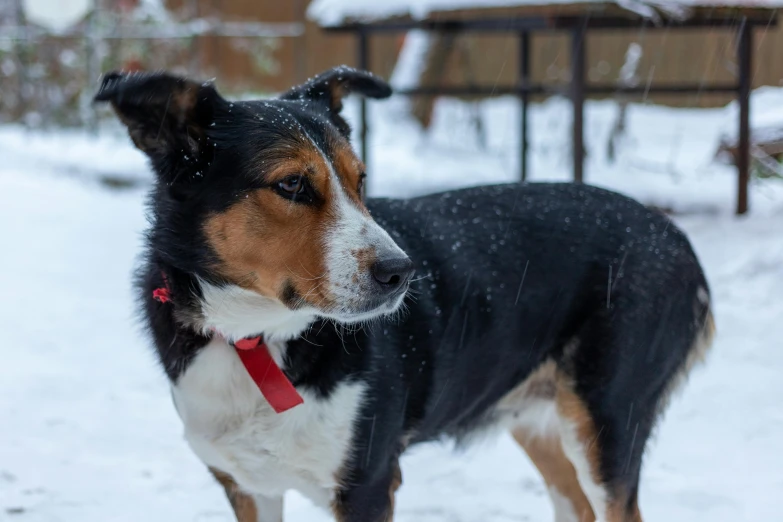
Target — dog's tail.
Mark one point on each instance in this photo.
(700, 347)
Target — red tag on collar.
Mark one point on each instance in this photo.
(270, 379)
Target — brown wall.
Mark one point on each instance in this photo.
(296, 58)
(668, 56)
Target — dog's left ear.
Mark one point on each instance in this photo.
(328, 89)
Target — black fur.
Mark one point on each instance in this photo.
(510, 276)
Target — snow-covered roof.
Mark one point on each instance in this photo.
(60, 15)
(335, 12)
(56, 15)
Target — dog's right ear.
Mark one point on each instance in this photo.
(167, 118)
(327, 90)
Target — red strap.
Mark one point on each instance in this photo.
(262, 368)
(270, 379)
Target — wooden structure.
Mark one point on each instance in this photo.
(578, 20)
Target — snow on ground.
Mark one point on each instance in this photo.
(87, 428)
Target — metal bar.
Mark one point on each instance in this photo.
(488, 90)
(92, 67)
(522, 88)
(524, 78)
(663, 89)
(621, 23)
(578, 98)
(485, 24)
(542, 23)
(363, 61)
(22, 55)
(744, 60)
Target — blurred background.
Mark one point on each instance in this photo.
(87, 429)
(52, 51)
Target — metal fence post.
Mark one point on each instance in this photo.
(744, 59)
(524, 81)
(578, 97)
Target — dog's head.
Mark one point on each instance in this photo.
(261, 200)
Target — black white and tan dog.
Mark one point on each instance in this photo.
(304, 354)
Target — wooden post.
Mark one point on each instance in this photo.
(744, 61)
(578, 97)
(524, 81)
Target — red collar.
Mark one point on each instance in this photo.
(262, 368)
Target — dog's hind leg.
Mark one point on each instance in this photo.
(606, 456)
(247, 507)
(611, 390)
(546, 452)
(535, 426)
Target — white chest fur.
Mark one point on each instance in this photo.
(231, 427)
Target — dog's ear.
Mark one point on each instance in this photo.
(167, 118)
(328, 89)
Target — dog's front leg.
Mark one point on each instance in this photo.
(369, 498)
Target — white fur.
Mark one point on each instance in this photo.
(537, 417)
(575, 451)
(229, 424)
(564, 509)
(237, 313)
(528, 407)
(231, 427)
(528, 410)
(353, 230)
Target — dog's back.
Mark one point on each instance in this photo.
(552, 308)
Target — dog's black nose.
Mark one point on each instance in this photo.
(391, 274)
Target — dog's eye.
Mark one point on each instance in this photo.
(292, 185)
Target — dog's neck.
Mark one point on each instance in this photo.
(227, 310)
(236, 313)
(194, 312)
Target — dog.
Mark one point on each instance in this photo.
(303, 353)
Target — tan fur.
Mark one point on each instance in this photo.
(617, 512)
(539, 385)
(544, 447)
(395, 485)
(265, 242)
(243, 504)
(572, 408)
(365, 257)
(350, 169)
(558, 472)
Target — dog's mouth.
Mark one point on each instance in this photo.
(367, 291)
(372, 307)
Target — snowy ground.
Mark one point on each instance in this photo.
(87, 429)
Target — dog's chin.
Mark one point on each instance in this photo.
(372, 309)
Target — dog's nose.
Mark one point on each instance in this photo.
(391, 274)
